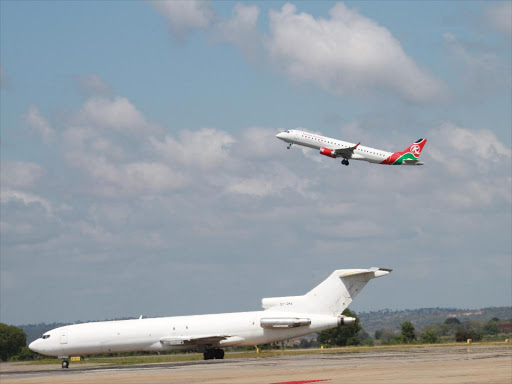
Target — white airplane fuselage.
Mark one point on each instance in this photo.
(147, 334)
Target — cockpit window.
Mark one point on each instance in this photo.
(287, 131)
(46, 336)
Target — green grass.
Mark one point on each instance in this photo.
(155, 359)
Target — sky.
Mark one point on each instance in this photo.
(140, 173)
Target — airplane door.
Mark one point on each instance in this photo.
(64, 337)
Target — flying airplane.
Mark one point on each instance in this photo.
(282, 318)
(336, 148)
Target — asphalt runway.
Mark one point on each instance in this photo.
(454, 364)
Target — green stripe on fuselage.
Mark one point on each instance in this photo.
(400, 160)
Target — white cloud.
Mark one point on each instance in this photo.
(346, 54)
(241, 30)
(482, 144)
(481, 70)
(92, 83)
(117, 113)
(127, 179)
(499, 16)
(8, 195)
(185, 15)
(205, 148)
(34, 118)
(19, 174)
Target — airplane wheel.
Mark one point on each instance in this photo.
(65, 364)
(209, 354)
(219, 354)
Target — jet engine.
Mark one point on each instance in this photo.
(328, 152)
(343, 320)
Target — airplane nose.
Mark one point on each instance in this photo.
(280, 135)
(33, 346)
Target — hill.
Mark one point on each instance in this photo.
(387, 319)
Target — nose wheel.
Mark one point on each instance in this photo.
(289, 146)
(65, 364)
(344, 161)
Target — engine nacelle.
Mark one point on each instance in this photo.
(343, 320)
(328, 152)
(292, 322)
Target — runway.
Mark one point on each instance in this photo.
(437, 364)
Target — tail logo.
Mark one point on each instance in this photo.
(415, 150)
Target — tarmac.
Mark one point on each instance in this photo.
(436, 364)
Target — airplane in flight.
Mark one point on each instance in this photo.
(336, 148)
(282, 318)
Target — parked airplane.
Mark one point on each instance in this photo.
(282, 318)
(337, 148)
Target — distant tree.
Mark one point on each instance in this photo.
(12, 340)
(452, 320)
(461, 335)
(408, 331)
(429, 337)
(491, 328)
(26, 354)
(378, 333)
(474, 335)
(342, 335)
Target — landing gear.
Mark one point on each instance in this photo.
(215, 353)
(289, 146)
(65, 364)
(344, 161)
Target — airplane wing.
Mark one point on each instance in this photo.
(346, 152)
(192, 340)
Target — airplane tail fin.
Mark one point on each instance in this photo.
(409, 156)
(330, 297)
(415, 148)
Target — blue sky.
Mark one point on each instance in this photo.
(139, 163)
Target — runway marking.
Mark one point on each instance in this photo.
(301, 381)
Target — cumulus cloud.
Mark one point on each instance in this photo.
(241, 30)
(481, 70)
(205, 148)
(346, 54)
(117, 113)
(185, 15)
(92, 83)
(8, 195)
(499, 16)
(20, 174)
(40, 125)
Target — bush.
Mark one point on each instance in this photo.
(12, 340)
(429, 337)
(408, 331)
(342, 335)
